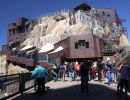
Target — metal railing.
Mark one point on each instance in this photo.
(122, 57)
(108, 50)
(11, 85)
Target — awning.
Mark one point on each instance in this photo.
(46, 48)
(58, 49)
(11, 43)
(26, 47)
(13, 49)
(31, 51)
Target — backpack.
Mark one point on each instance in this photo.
(77, 67)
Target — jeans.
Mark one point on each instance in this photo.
(109, 81)
(71, 75)
(84, 84)
(99, 75)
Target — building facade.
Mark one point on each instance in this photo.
(82, 33)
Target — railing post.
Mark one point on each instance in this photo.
(21, 83)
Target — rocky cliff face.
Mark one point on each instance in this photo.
(9, 69)
(15, 69)
(2, 64)
(52, 29)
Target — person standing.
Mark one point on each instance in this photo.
(124, 77)
(64, 71)
(109, 76)
(61, 69)
(114, 71)
(94, 70)
(77, 70)
(99, 65)
(55, 72)
(40, 74)
(84, 69)
(71, 71)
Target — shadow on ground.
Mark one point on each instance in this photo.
(96, 92)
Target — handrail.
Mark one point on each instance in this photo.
(122, 57)
(10, 85)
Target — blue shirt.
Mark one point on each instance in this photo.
(39, 72)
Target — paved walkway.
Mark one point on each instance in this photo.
(71, 91)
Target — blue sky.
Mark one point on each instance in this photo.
(10, 10)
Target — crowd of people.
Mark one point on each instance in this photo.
(88, 70)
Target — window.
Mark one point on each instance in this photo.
(13, 53)
(19, 55)
(33, 56)
(20, 30)
(50, 60)
(39, 57)
(87, 44)
(76, 45)
(29, 57)
(44, 58)
(103, 13)
(23, 54)
(81, 42)
(108, 15)
(13, 31)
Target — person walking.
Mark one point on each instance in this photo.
(55, 72)
(84, 69)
